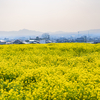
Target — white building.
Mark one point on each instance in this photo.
(31, 41)
(42, 41)
(2, 42)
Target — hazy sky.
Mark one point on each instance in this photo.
(49, 15)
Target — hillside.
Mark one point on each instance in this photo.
(60, 71)
(31, 33)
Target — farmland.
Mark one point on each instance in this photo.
(55, 71)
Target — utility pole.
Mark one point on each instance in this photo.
(78, 33)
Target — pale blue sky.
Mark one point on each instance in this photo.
(49, 15)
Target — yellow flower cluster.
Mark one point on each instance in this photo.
(55, 71)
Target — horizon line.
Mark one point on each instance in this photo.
(50, 31)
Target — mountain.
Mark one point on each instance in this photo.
(20, 33)
(90, 33)
(32, 33)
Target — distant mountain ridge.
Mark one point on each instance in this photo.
(27, 33)
(23, 32)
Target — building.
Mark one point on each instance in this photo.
(62, 40)
(33, 41)
(42, 41)
(2, 42)
(96, 41)
(82, 39)
(17, 42)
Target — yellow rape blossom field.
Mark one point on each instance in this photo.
(55, 71)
